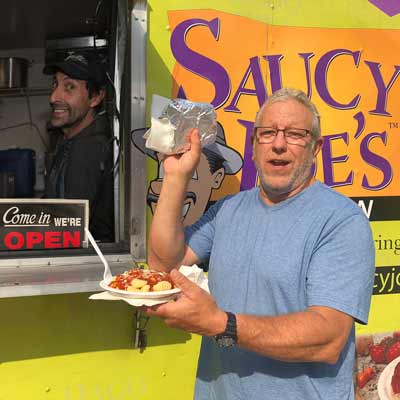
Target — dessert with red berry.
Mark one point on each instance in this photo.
(395, 383)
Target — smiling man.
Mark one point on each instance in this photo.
(82, 167)
(291, 268)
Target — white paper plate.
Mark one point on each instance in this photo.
(140, 295)
(385, 379)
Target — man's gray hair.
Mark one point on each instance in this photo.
(285, 94)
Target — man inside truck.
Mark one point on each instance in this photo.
(82, 167)
(291, 268)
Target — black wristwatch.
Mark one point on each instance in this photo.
(228, 338)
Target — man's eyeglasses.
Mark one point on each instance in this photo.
(267, 134)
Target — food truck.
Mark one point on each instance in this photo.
(58, 344)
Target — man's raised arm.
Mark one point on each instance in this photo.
(166, 247)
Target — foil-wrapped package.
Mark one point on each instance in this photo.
(172, 120)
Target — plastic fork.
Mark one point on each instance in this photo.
(107, 276)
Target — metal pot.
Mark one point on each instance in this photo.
(13, 72)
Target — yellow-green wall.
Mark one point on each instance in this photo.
(66, 347)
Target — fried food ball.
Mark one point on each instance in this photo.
(137, 284)
(163, 285)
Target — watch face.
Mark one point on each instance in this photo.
(225, 341)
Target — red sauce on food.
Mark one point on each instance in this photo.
(122, 281)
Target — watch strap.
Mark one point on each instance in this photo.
(228, 338)
(231, 328)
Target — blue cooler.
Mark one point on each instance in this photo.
(21, 164)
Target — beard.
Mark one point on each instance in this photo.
(69, 118)
(298, 179)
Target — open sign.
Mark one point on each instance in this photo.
(28, 224)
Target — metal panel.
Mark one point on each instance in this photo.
(117, 143)
(75, 43)
(41, 276)
(138, 120)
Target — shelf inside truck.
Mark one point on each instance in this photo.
(19, 92)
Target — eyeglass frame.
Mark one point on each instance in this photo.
(284, 131)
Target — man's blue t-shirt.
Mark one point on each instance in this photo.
(314, 248)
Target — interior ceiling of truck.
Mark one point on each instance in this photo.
(28, 23)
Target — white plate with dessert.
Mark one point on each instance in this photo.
(389, 381)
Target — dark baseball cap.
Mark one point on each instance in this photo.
(79, 66)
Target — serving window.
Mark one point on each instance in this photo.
(32, 259)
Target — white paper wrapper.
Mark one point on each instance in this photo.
(171, 120)
(194, 273)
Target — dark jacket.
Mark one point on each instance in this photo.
(83, 169)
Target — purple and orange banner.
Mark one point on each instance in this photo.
(351, 75)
